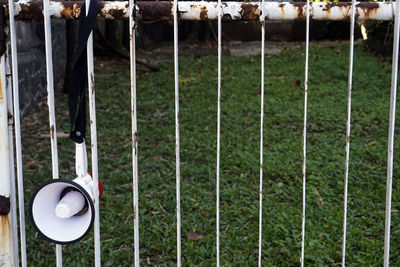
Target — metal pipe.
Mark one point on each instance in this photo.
(13, 197)
(388, 211)
(177, 140)
(348, 126)
(135, 182)
(93, 138)
(303, 222)
(17, 125)
(151, 11)
(6, 244)
(51, 105)
(260, 220)
(218, 135)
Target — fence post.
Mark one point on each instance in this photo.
(13, 197)
(6, 240)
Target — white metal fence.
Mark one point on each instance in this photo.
(12, 254)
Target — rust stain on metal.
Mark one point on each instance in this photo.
(1, 91)
(368, 9)
(249, 12)
(52, 132)
(135, 141)
(4, 205)
(92, 82)
(71, 10)
(346, 6)
(299, 4)
(149, 11)
(66, 13)
(163, 10)
(226, 17)
(34, 10)
(31, 10)
(282, 8)
(328, 6)
(299, 8)
(133, 16)
(155, 10)
(117, 13)
(368, 5)
(2, 32)
(5, 230)
(203, 13)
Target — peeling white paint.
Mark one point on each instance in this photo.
(233, 10)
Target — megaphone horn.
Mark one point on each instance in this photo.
(61, 210)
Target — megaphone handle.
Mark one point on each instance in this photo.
(80, 159)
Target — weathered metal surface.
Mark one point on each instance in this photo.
(2, 32)
(6, 253)
(6, 241)
(134, 135)
(391, 135)
(17, 128)
(348, 127)
(93, 135)
(150, 11)
(13, 195)
(5, 187)
(51, 104)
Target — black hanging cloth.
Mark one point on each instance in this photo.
(77, 84)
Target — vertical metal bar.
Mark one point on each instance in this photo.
(132, 29)
(218, 130)
(262, 20)
(348, 125)
(51, 105)
(303, 223)
(391, 136)
(50, 89)
(218, 134)
(17, 126)
(93, 138)
(177, 146)
(13, 197)
(6, 244)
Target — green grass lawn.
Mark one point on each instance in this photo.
(240, 115)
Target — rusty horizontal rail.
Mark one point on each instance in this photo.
(152, 11)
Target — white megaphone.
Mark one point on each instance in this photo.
(62, 210)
